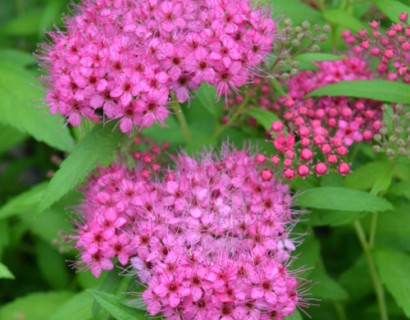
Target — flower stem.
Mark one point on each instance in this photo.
(378, 287)
(237, 113)
(181, 120)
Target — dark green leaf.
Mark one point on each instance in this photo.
(9, 137)
(381, 90)
(5, 272)
(356, 280)
(307, 254)
(392, 9)
(88, 153)
(19, 108)
(34, 306)
(206, 98)
(77, 308)
(333, 218)
(264, 117)
(336, 198)
(113, 305)
(393, 267)
(343, 18)
(326, 287)
(52, 265)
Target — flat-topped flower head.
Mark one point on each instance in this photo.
(123, 59)
(209, 238)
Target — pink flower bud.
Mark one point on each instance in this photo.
(320, 169)
(277, 126)
(343, 168)
(267, 175)
(289, 173)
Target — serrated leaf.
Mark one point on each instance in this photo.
(392, 9)
(34, 306)
(365, 177)
(337, 198)
(26, 201)
(88, 153)
(77, 308)
(113, 305)
(326, 287)
(393, 267)
(264, 117)
(343, 18)
(381, 90)
(19, 101)
(5, 272)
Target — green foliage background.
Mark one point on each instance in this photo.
(354, 222)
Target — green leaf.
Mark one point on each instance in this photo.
(393, 267)
(296, 11)
(365, 177)
(326, 287)
(9, 137)
(52, 265)
(392, 9)
(356, 280)
(88, 153)
(381, 90)
(24, 25)
(18, 57)
(307, 254)
(52, 14)
(343, 18)
(333, 218)
(113, 305)
(5, 272)
(337, 198)
(77, 308)
(26, 201)
(19, 102)
(34, 306)
(264, 117)
(206, 98)
(401, 188)
(312, 57)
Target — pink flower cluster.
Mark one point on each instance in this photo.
(122, 59)
(390, 48)
(209, 239)
(317, 133)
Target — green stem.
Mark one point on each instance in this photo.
(378, 287)
(373, 227)
(181, 120)
(237, 113)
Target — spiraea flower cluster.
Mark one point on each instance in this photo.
(316, 133)
(123, 59)
(390, 48)
(209, 239)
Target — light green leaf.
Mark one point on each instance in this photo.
(365, 177)
(206, 98)
(34, 306)
(24, 25)
(88, 153)
(392, 9)
(19, 108)
(77, 308)
(9, 137)
(26, 201)
(337, 198)
(312, 57)
(113, 305)
(343, 18)
(296, 11)
(393, 267)
(5, 272)
(264, 117)
(326, 287)
(381, 90)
